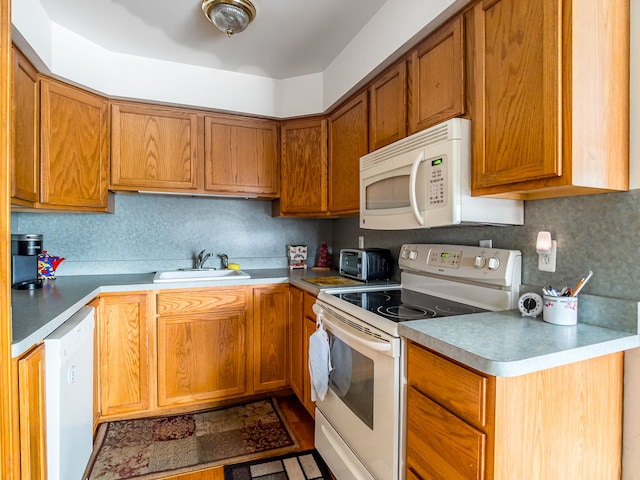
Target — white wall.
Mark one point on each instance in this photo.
(397, 25)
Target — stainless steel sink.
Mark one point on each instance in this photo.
(198, 275)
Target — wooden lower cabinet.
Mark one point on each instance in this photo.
(202, 345)
(309, 329)
(554, 424)
(270, 337)
(296, 322)
(201, 357)
(32, 421)
(179, 349)
(303, 324)
(123, 370)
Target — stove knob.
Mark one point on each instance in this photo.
(479, 261)
(404, 254)
(413, 255)
(494, 263)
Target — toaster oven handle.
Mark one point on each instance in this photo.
(412, 188)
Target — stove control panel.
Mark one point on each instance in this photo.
(444, 258)
(489, 265)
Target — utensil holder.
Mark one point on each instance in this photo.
(560, 310)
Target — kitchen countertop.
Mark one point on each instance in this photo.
(495, 343)
(37, 313)
(507, 344)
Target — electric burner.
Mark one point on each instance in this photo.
(402, 305)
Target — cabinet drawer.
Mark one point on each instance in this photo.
(202, 301)
(456, 388)
(309, 300)
(439, 444)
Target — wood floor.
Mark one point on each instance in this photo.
(298, 419)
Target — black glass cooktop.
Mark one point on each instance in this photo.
(403, 305)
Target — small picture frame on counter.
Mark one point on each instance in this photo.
(297, 256)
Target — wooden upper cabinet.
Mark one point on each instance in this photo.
(348, 141)
(153, 148)
(25, 164)
(74, 148)
(241, 156)
(436, 77)
(303, 167)
(551, 97)
(388, 107)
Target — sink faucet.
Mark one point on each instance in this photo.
(202, 257)
(225, 260)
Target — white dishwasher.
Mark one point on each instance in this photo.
(69, 396)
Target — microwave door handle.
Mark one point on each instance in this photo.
(413, 200)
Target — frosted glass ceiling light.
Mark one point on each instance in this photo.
(229, 16)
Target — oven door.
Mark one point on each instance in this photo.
(358, 426)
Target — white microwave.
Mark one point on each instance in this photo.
(424, 181)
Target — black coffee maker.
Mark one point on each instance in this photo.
(25, 248)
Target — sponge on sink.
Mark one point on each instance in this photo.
(234, 266)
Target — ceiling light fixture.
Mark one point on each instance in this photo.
(229, 16)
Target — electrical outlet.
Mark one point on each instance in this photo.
(360, 241)
(547, 261)
(486, 243)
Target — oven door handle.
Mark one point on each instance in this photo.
(355, 336)
(413, 178)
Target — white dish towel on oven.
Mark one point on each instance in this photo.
(319, 361)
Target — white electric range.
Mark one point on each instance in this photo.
(360, 422)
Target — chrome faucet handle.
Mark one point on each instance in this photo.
(201, 258)
(225, 260)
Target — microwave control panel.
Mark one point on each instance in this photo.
(438, 177)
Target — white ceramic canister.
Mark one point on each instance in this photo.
(560, 310)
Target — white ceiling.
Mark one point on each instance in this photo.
(288, 38)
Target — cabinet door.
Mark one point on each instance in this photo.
(153, 148)
(516, 122)
(348, 141)
(309, 329)
(296, 325)
(31, 381)
(388, 107)
(439, 444)
(437, 78)
(270, 337)
(201, 357)
(26, 133)
(123, 355)
(304, 167)
(241, 156)
(74, 147)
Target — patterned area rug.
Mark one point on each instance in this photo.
(296, 466)
(152, 448)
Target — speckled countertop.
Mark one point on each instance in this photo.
(37, 313)
(507, 344)
(496, 343)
